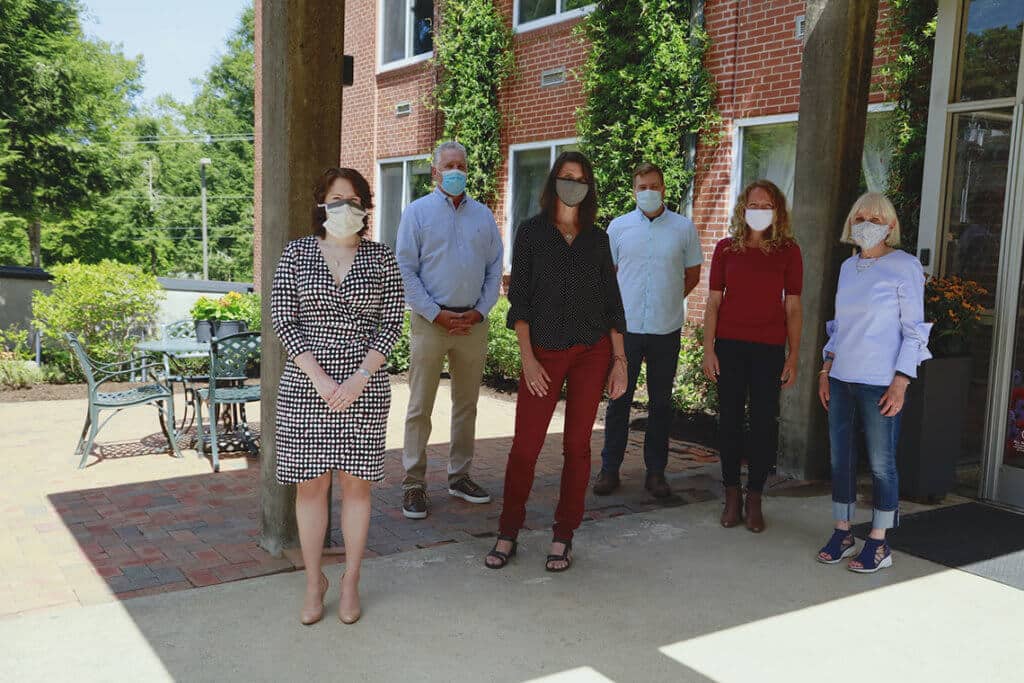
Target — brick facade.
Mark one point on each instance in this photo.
(754, 57)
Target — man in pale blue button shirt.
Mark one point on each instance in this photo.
(450, 253)
(658, 256)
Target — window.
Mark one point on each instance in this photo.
(529, 165)
(536, 13)
(768, 150)
(406, 31)
(399, 182)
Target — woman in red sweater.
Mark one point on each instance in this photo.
(753, 310)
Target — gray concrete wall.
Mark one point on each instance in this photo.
(16, 299)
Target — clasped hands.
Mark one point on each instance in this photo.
(459, 324)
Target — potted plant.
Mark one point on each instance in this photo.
(231, 312)
(933, 416)
(204, 312)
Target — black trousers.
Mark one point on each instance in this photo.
(748, 369)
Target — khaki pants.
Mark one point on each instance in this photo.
(429, 345)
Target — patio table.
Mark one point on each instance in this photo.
(189, 348)
(174, 349)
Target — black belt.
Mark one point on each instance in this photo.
(457, 309)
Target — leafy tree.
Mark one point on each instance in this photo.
(474, 51)
(66, 98)
(648, 92)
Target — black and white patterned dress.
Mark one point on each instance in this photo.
(338, 324)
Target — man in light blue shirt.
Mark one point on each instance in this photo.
(450, 253)
(658, 256)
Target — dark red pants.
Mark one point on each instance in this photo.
(586, 370)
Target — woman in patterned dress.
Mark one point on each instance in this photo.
(337, 306)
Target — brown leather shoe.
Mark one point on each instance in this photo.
(606, 483)
(755, 519)
(733, 512)
(657, 486)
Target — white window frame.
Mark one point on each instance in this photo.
(406, 186)
(409, 58)
(510, 193)
(558, 17)
(736, 172)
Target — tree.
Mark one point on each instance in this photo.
(648, 92)
(66, 98)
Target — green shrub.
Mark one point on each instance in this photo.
(503, 361)
(53, 374)
(14, 341)
(693, 392)
(398, 361)
(19, 374)
(250, 310)
(108, 305)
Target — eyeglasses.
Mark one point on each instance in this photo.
(336, 205)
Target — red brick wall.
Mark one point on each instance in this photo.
(532, 113)
(755, 58)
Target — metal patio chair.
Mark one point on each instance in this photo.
(97, 374)
(230, 357)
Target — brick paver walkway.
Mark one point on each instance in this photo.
(138, 521)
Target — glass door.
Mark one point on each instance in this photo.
(981, 235)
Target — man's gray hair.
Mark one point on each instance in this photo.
(447, 146)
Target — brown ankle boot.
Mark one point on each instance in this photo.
(733, 512)
(755, 519)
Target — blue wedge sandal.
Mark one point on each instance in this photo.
(838, 548)
(873, 556)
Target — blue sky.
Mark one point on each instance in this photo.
(179, 39)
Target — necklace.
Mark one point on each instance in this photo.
(569, 237)
(864, 264)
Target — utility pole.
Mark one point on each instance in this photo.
(149, 170)
(203, 163)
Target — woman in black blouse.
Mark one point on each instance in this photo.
(567, 313)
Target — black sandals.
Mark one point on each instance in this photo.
(503, 558)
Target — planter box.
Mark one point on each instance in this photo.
(204, 330)
(931, 430)
(222, 328)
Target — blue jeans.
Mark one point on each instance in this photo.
(848, 404)
(661, 351)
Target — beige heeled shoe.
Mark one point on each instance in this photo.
(348, 617)
(310, 618)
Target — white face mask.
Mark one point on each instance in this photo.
(760, 220)
(344, 219)
(867, 234)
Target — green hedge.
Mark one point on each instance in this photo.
(108, 305)
(692, 393)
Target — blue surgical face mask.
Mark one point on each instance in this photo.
(453, 182)
(648, 201)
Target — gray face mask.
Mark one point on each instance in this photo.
(571, 192)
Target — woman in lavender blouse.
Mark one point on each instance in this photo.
(876, 342)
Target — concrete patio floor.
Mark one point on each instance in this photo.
(137, 521)
(659, 596)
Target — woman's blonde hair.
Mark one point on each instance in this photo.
(874, 204)
(778, 235)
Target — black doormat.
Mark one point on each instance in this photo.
(976, 538)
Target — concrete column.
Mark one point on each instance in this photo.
(834, 84)
(299, 49)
